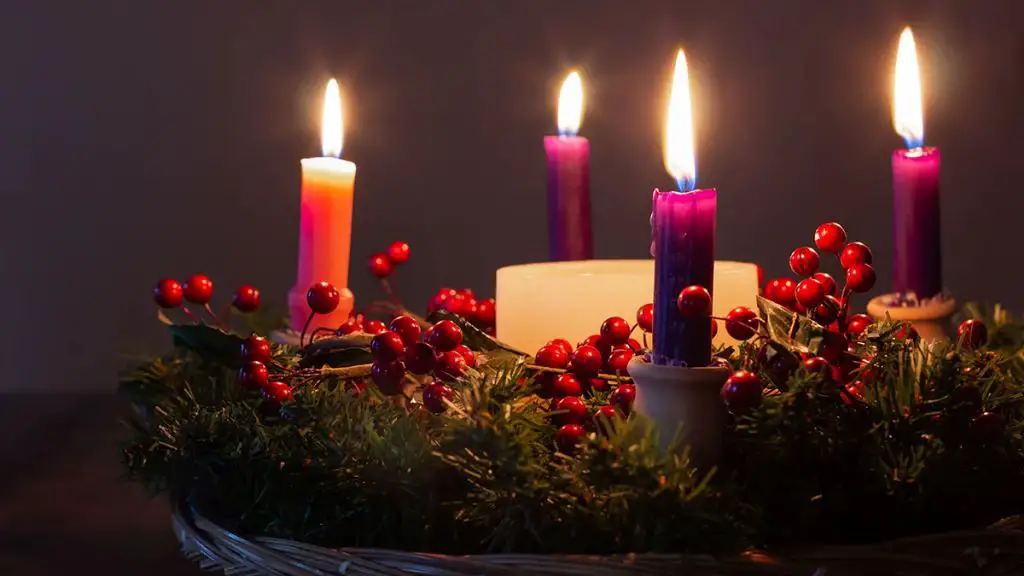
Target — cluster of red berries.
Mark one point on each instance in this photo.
(464, 302)
(254, 374)
(404, 348)
(198, 289)
(817, 294)
(382, 264)
(607, 352)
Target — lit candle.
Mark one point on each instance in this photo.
(325, 227)
(569, 233)
(683, 227)
(917, 250)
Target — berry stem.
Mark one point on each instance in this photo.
(189, 313)
(226, 317)
(390, 291)
(302, 335)
(212, 315)
(313, 335)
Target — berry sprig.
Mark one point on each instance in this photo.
(480, 313)
(170, 294)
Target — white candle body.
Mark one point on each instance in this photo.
(539, 302)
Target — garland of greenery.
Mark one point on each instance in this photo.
(811, 465)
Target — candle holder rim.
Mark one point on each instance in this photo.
(879, 307)
(599, 266)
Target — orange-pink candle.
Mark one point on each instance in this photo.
(325, 226)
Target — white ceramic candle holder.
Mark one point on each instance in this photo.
(930, 318)
(685, 401)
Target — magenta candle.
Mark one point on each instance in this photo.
(917, 244)
(569, 229)
(684, 255)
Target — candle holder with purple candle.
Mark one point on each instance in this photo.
(677, 388)
(917, 247)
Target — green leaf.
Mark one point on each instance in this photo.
(472, 336)
(795, 332)
(338, 352)
(209, 342)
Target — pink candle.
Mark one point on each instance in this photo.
(569, 228)
(325, 226)
(917, 242)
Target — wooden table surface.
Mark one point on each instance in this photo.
(63, 507)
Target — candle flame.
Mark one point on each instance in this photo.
(907, 116)
(331, 138)
(679, 158)
(570, 105)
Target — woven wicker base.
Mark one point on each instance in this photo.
(998, 550)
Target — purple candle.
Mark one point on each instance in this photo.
(569, 233)
(917, 245)
(683, 234)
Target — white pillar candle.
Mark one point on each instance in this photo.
(539, 302)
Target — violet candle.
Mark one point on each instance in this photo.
(683, 238)
(569, 229)
(917, 243)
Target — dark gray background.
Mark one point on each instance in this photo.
(155, 138)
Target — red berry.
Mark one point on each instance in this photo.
(645, 317)
(742, 392)
(634, 345)
(810, 293)
(444, 336)
(714, 328)
(552, 356)
(398, 252)
(386, 347)
(623, 397)
(860, 278)
(485, 313)
(437, 302)
(618, 360)
(907, 332)
(785, 291)
(467, 354)
(595, 340)
(198, 289)
(604, 417)
(615, 330)
(827, 282)
(256, 348)
(855, 253)
(598, 384)
(586, 360)
(568, 437)
(566, 384)
(349, 326)
(740, 323)
(988, 427)
(972, 334)
(467, 292)
(374, 327)
(389, 377)
(420, 358)
(460, 304)
(253, 375)
(323, 298)
(834, 346)
(380, 265)
(694, 302)
(434, 396)
(828, 311)
(247, 299)
(278, 392)
(858, 323)
(817, 365)
(804, 261)
(563, 344)
(574, 411)
(407, 328)
(830, 237)
(450, 366)
(168, 293)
